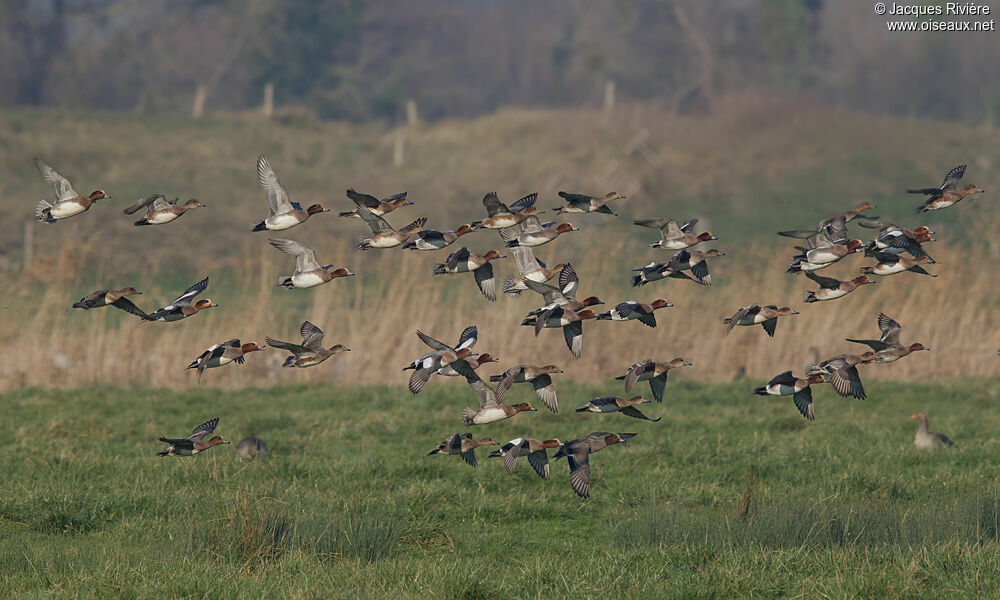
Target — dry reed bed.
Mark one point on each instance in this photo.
(376, 313)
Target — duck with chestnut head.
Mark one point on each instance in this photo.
(67, 203)
(183, 306)
(194, 443)
(463, 261)
(284, 214)
(223, 353)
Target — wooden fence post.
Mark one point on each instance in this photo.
(397, 150)
(411, 112)
(198, 107)
(268, 108)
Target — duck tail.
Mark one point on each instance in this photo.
(410, 245)
(164, 453)
(726, 321)
(794, 266)
(364, 244)
(440, 269)
(620, 378)
(513, 244)
(761, 391)
(467, 415)
(638, 280)
(285, 282)
(604, 316)
(495, 454)
(809, 296)
(81, 305)
(924, 191)
(925, 206)
(508, 286)
(259, 227)
(349, 213)
(142, 222)
(289, 362)
(867, 270)
(194, 365)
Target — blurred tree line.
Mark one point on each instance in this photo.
(361, 59)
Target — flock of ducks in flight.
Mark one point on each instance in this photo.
(894, 249)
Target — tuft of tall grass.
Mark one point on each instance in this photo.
(803, 523)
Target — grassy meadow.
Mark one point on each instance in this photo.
(730, 495)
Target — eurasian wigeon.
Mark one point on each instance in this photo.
(499, 216)
(529, 267)
(887, 348)
(755, 314)
(462, 444)
(577, 453)
(570, 321)
(383, 235)
(194, 443)
(221, 354)
(67, 203)
(626, 406)
(890, 264)
(308, 272)
(430, 239)
(842, 373)
(534, 450)
(116, 298)
(635, 310)
(533, 234)
(182, 306)
(463, 261)
(823, 256)
(539, 378)
(491, 409)
(831, 289)
(284, 214)
(373, 204)
(948, 194)
(311, 351)
(428, 364)
(674, 237)
(582, 203)
(159, 210)
(652, 371)
(798, 388)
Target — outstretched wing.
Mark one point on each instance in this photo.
(202, 430)
(376, 223)
(824, 282)
(493, 205)
(277, 198)
(524, 203)
(305, 258)
(127, 305)
(951, 179)
(63, 188)
(190, 293)
(312, 336)
(432, 342)
(890, 329)
(363, 199)
(143, 203)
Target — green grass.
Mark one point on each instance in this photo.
(730, 495)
